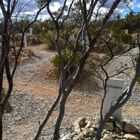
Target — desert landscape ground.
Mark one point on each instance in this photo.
(35, 89)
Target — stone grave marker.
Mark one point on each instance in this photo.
(126, 31)
(86, 43)
(114, 89)
(25, 36)
(71, 37)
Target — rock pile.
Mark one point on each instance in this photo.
(84, 129)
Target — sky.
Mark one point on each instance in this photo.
(123, 8)
(32, 8)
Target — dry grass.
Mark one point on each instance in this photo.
(48, 47)
(24, 56)
(29, 52)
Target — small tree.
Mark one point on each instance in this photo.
(7, 47)
(89, 30)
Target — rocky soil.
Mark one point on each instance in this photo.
(35, 90)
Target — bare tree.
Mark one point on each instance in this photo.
(9, 15)
(127, 93)
(89, 13)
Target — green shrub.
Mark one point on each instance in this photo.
(48, 38)
(138, 81)
(66, 57)
(0, 38)
(70, 46)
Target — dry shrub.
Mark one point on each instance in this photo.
(32, 40)
(48, 46)
(28, 52)
(95, 59)
(23, 59)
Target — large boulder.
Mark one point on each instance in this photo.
(81, 122)
(89, 132)
(131, 137)
(89, 124)
(77, 128)
(111, 119)
(130, 128)
(109, 127)
(119, 125)
(106, 137)
(68, 137)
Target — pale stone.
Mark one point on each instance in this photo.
(67, 137)
(111, 119)
(82, 129)
(95, 126)
(89, 132)
(89, 124)
(131, 137)
(88, 138)
(130, 128)
(104, 132)
(80, 136)
(75, 138)
(97, 119)
(77, 128)
(106, 137)
(109, 127)
(80, 121)
(117, 130)
(114, 137)
(119, 125)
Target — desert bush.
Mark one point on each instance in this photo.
(97, 59)
(25, 55)
(66, 57)
(0, 39)
(70, 46)
(28, 52)
(47, 37)
(138, 81)
(48, 46)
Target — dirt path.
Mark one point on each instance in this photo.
(42, 90)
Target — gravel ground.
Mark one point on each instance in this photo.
(29, 108)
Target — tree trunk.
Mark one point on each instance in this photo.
(41, 126)
(1, 125)
(101, 127)
(60, 116)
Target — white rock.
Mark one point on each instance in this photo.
(67, 137)
(131, 137)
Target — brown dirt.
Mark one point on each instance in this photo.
(42, 90)
(86, 86)
(84, 100)
(46, 85)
